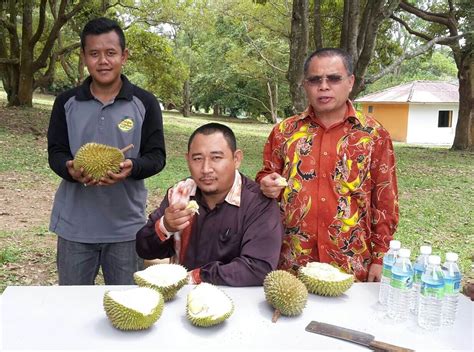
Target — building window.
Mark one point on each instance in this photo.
(371, 109)
(445, 118)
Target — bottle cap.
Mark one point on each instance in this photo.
(434, 259)
(394, 244)
(404, 252)
(451, 257)
(425, 249)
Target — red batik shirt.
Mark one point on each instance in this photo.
(341, 202)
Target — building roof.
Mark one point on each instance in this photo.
(416, 92)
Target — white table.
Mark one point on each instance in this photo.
(72, 318)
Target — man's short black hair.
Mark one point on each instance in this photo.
(212, 128)
(102, 25)
(330, 52)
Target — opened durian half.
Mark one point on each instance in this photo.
(133, 309)
(208, 305)
(285, 292)
(324, 279)
(96, 159)
(166, 278)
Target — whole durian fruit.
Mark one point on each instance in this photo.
(134, 309)
(166, 278)
(96, 159)
(285, 292)
(324, 279)
(208, 305)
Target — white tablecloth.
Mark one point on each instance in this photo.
(72, 318)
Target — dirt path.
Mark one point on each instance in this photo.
(25, 201)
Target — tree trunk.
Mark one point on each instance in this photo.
(216, 110)
(298, 52)
(18, 77)
(318, 28)
(186, 99)
(273, 106)
(464, 137)
(26, 79)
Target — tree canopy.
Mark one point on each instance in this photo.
(239, 57)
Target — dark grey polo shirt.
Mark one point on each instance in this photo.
(104, 214)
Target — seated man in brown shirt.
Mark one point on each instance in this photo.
(235, 237)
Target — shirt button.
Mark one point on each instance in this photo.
(324, 175)
(325, 153)
(102, 118)
(323, 199)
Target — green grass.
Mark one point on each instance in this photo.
(435, 184)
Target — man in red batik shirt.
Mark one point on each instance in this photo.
(340, 198)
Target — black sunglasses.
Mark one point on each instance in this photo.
(330, 79)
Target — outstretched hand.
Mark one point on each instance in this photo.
(177, 217)
(271, 185)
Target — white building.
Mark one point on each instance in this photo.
(420, 112)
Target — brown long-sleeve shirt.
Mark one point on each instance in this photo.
(235, 245)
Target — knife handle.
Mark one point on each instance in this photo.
(382, 346)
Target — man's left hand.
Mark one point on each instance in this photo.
(375, 273)
(125, 171)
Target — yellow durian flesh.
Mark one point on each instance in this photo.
(282, 182)
(324, 279)
(133, 309)
(96, 159)
(193, 205)
(208, 305)
(285, 292)
(165, 278)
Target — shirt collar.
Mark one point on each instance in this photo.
(350, 112)
(234, 195)
(126, 91)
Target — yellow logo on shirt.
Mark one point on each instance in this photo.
(126, 124)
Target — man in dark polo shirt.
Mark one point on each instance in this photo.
(96, 220)
(235, 238)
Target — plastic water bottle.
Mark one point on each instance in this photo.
(418, 269)
(452, 286)
(400, 291)
(388, 260)
(431, 295)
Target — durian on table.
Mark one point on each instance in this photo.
(165, 278)
(96, 159)
(285, 292)
(208, 305)
(133, 309)
(324, 279)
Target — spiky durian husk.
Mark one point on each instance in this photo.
(125, 318)
(97, 159)
(168, 291)
(324, 287)
(194, 305)
(285, 292)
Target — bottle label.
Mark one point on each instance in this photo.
(387, 270)
(428, 290)
(417, 275)
(402, 282)
(452, 286)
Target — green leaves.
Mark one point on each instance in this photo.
(154, 66)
